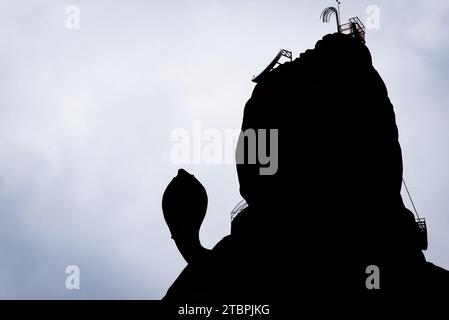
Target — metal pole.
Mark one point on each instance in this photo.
(338, 16)
(410, 197)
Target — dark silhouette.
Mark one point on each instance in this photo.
(334, 206)
(184, 205)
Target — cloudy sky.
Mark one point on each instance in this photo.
(86, 116)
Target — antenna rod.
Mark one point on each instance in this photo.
(338, 16)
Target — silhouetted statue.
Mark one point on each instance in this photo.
(184, 205)
(332, 209)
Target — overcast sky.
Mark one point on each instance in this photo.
(86, 116)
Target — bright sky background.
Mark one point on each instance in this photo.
(86, 116)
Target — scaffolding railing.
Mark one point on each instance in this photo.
(354, 27)
(276, 62)
(238, 209)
